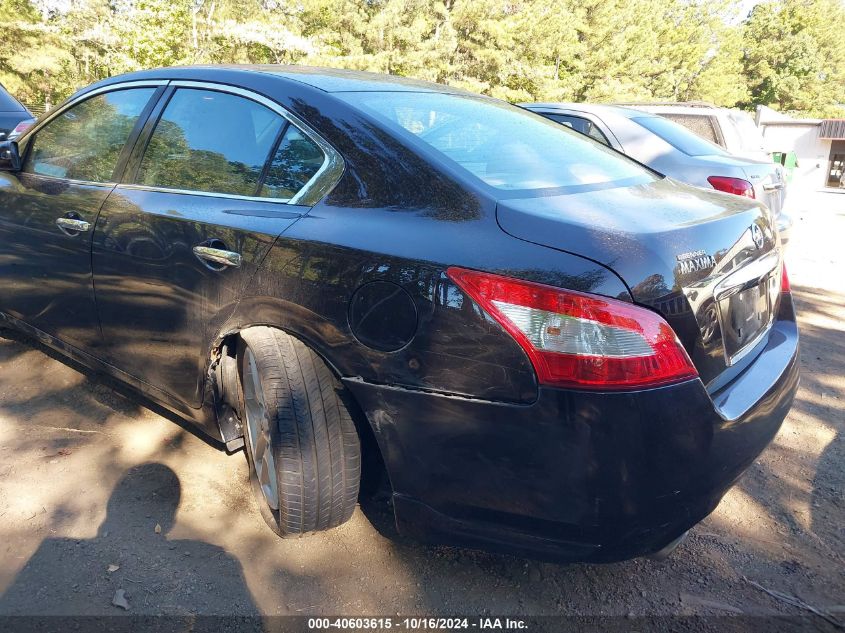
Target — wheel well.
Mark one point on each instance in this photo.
(224, 375)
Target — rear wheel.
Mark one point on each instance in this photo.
(301, 443)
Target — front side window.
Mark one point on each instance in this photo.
(85, 141)
(508, 148)
(210, 141)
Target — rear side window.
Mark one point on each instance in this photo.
(506, 147)
(702, 125)
(679, 136)
(210, 141)
(85, 141)
(294, 163)
(579, 124)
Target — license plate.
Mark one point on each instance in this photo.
(774, 200)
(745, 316)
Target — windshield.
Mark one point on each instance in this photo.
(679, 137)
(506, 147)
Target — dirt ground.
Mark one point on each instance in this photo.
(98, 493)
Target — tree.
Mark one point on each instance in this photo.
(787, 54)
(700, 54)
(29, 66)
(794, 56)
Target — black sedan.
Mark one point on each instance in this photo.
(547, 348)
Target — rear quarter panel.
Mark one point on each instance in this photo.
(399, 217)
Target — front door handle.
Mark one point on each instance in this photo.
(218, 256)
(72, 225)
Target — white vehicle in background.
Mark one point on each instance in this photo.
(674, 151)
(733, 130)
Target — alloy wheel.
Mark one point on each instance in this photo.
(258, 432)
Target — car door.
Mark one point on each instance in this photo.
(213, 180)
(49, 207)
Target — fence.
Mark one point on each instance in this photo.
(36, 108)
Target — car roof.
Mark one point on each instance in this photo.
(598, 109)
(325, 79)
(695, 110)
(342, 80)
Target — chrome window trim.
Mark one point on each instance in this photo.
(71, 181)
(73, 101)
(320, 184)
(204, 194)
(312, 192)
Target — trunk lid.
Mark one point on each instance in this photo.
(769, 185)
(708, 262)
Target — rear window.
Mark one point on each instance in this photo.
(506, 147)
(679, 137)
(8, 103)
(700, 124)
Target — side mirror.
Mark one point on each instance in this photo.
(10, 158)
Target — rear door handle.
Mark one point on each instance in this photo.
(218, 256)
(72, 225)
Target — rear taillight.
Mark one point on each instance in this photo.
(21, 127)
(580, 340)
(784, 280)
(736, 186)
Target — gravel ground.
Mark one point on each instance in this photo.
(98, 493)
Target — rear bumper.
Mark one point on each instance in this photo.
(577, 475)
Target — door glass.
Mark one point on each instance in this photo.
(294, 164)
(84, 142)
(210, 141)
(580, 124)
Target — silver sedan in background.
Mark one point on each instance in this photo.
(674, 151)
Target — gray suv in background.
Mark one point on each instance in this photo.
(674, 151)
(12, 114)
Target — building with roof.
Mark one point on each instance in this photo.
(819, 145)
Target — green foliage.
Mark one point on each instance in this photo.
(794, 55)
(789, 54)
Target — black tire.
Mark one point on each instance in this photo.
(314, 444)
